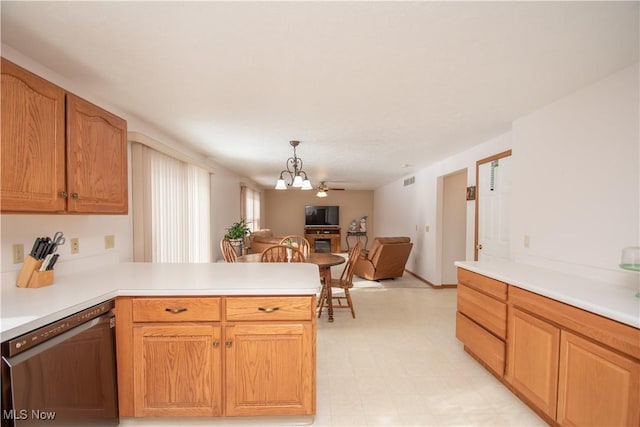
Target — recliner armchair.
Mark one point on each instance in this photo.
(386, 258)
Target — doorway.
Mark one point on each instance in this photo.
(454, 224)
(493, 204)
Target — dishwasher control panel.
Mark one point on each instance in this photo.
(28, 340)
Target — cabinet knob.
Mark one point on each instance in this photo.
(175, 310)
(216, 344)
(268, 309)
(228, 343)
(75, 196)
(64, 194)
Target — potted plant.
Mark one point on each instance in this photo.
(236, 234)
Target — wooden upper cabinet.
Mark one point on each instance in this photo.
(33, 142)
(96, 159)
(60, 153)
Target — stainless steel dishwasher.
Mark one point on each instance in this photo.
(63, 374)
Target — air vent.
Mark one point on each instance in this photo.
(410, 181)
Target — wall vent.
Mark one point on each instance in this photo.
(410, 181)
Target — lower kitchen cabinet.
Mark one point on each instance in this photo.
(532, 363)
(216, 356)
(177, 370)
(573, 367)
(269, 369)
(597, 386)
(481, 320)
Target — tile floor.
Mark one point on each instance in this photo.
(397, 364)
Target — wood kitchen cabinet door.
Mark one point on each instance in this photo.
(597, 387)
(33, 142)
(269, 369)
(177, 370)
(96, 159)
(533, 347)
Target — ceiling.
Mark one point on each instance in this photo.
(373, 90)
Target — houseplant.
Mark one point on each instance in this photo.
(236, 234)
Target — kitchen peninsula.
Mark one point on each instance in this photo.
(194, 339)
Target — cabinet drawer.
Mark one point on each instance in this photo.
(488, 312)
(481, 343)
(483, 283)
(179, 309)
(269, 308)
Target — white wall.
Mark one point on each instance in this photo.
(453, 224)
(577, 178)
(225, 206)
(407, 211)
(576, 186)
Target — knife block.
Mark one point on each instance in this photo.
(30, 277)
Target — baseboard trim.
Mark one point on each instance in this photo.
(429, 283)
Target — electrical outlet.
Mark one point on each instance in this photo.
(18, 253)
(527, 241)
(109, 241)
(426, 228)
(75, 245)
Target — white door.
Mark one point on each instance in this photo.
(493, 201)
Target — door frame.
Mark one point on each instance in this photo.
(478, 163)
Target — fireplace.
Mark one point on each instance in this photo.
(323, 239)
(322, 245)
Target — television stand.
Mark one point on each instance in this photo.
(323, 239)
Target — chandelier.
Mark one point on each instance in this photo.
(294, 169)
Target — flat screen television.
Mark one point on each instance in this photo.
(321, 216)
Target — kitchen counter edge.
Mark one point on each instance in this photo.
(24, 310)
(614, 302)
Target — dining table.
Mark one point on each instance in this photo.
(324, 261)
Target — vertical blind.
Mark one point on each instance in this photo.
(250, 208)
(172, 222)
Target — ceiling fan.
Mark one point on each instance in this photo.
(323, 188)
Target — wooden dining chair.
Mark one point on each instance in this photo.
(297, 241)
(345, 282)
(228, 251)
(282, 253)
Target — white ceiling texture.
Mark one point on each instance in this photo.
(373, 90)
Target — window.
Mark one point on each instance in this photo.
(250, 208)
(171, 208)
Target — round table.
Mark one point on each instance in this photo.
(323, 260)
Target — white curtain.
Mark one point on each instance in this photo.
(171, 208)
(251, 207)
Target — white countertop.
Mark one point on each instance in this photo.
(24, 309)
(615, 302)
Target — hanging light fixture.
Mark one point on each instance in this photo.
(294, 169)
(322, 190)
